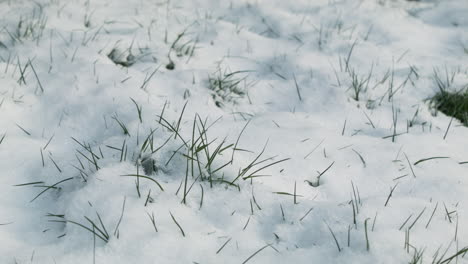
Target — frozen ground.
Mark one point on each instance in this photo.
(312, 145)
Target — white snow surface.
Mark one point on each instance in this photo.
(294, 64)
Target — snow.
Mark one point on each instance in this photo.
(62, 97)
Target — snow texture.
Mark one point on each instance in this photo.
(264, 131)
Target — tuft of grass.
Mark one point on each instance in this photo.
(31, 27)
(94, 157)
(119, 58)
(359, 84)
(127, 57)
(181, 46)
(453, 104)
(226, 86)
(449, 102)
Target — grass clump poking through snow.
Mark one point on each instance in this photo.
(228, 87)
(120, 58)
(180, 46)
(454, 104)
(129, 56)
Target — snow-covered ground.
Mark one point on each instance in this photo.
(206, 131)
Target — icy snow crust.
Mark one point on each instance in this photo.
(298, 62)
